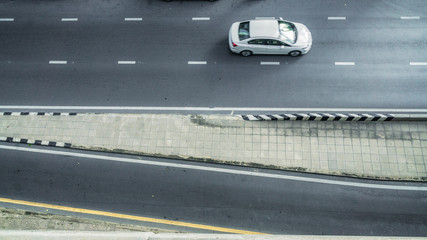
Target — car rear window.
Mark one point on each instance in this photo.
(243, 31)
(288, 32)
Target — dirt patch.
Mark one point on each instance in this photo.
(16, 219)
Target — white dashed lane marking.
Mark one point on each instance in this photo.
(270, 63)
(57, 62)
(7, 19)
(201, 18)
(133, 19)
(69, 19)
(337, 18)
(345, 63)
(126, 62)
(418, 63)
(409, 17)
(197, 62)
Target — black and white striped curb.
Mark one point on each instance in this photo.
(36, 114)
(35, 142)
(321, 117)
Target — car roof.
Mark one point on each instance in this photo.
(264, 28)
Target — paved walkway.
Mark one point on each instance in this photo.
(383, 150)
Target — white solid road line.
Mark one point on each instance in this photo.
(197, 62)
(212, 109)
(133, 19)
(409, 17)
(201, 18)
(418, 63)
(126, 62)
(270, 63)
(337, 18)
(214, 169)
(7, 19)
(69, 19)
(344, 63)
(57, 62)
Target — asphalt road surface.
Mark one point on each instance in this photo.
(385, 40)
(254, 203)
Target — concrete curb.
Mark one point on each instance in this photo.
(256, 165)
(342, 117)
(35, 142)
(356, 117)
(215, 161)
(410, 117)
(36, 114)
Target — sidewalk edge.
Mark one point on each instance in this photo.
(254, 165)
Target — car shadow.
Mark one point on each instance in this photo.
(222, 54)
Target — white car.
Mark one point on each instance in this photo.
(269, 36)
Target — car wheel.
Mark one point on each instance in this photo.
(294, 53)
(246, 53)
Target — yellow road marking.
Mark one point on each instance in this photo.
(125, 216)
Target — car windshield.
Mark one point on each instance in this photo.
(288, 32)
(243, 30)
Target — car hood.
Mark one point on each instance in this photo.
(304, 35)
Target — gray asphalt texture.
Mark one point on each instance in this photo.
(373, 36)
(225, 200)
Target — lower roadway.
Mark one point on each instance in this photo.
(228, 200)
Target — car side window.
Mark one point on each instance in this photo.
(257, 41)
(274, 42)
